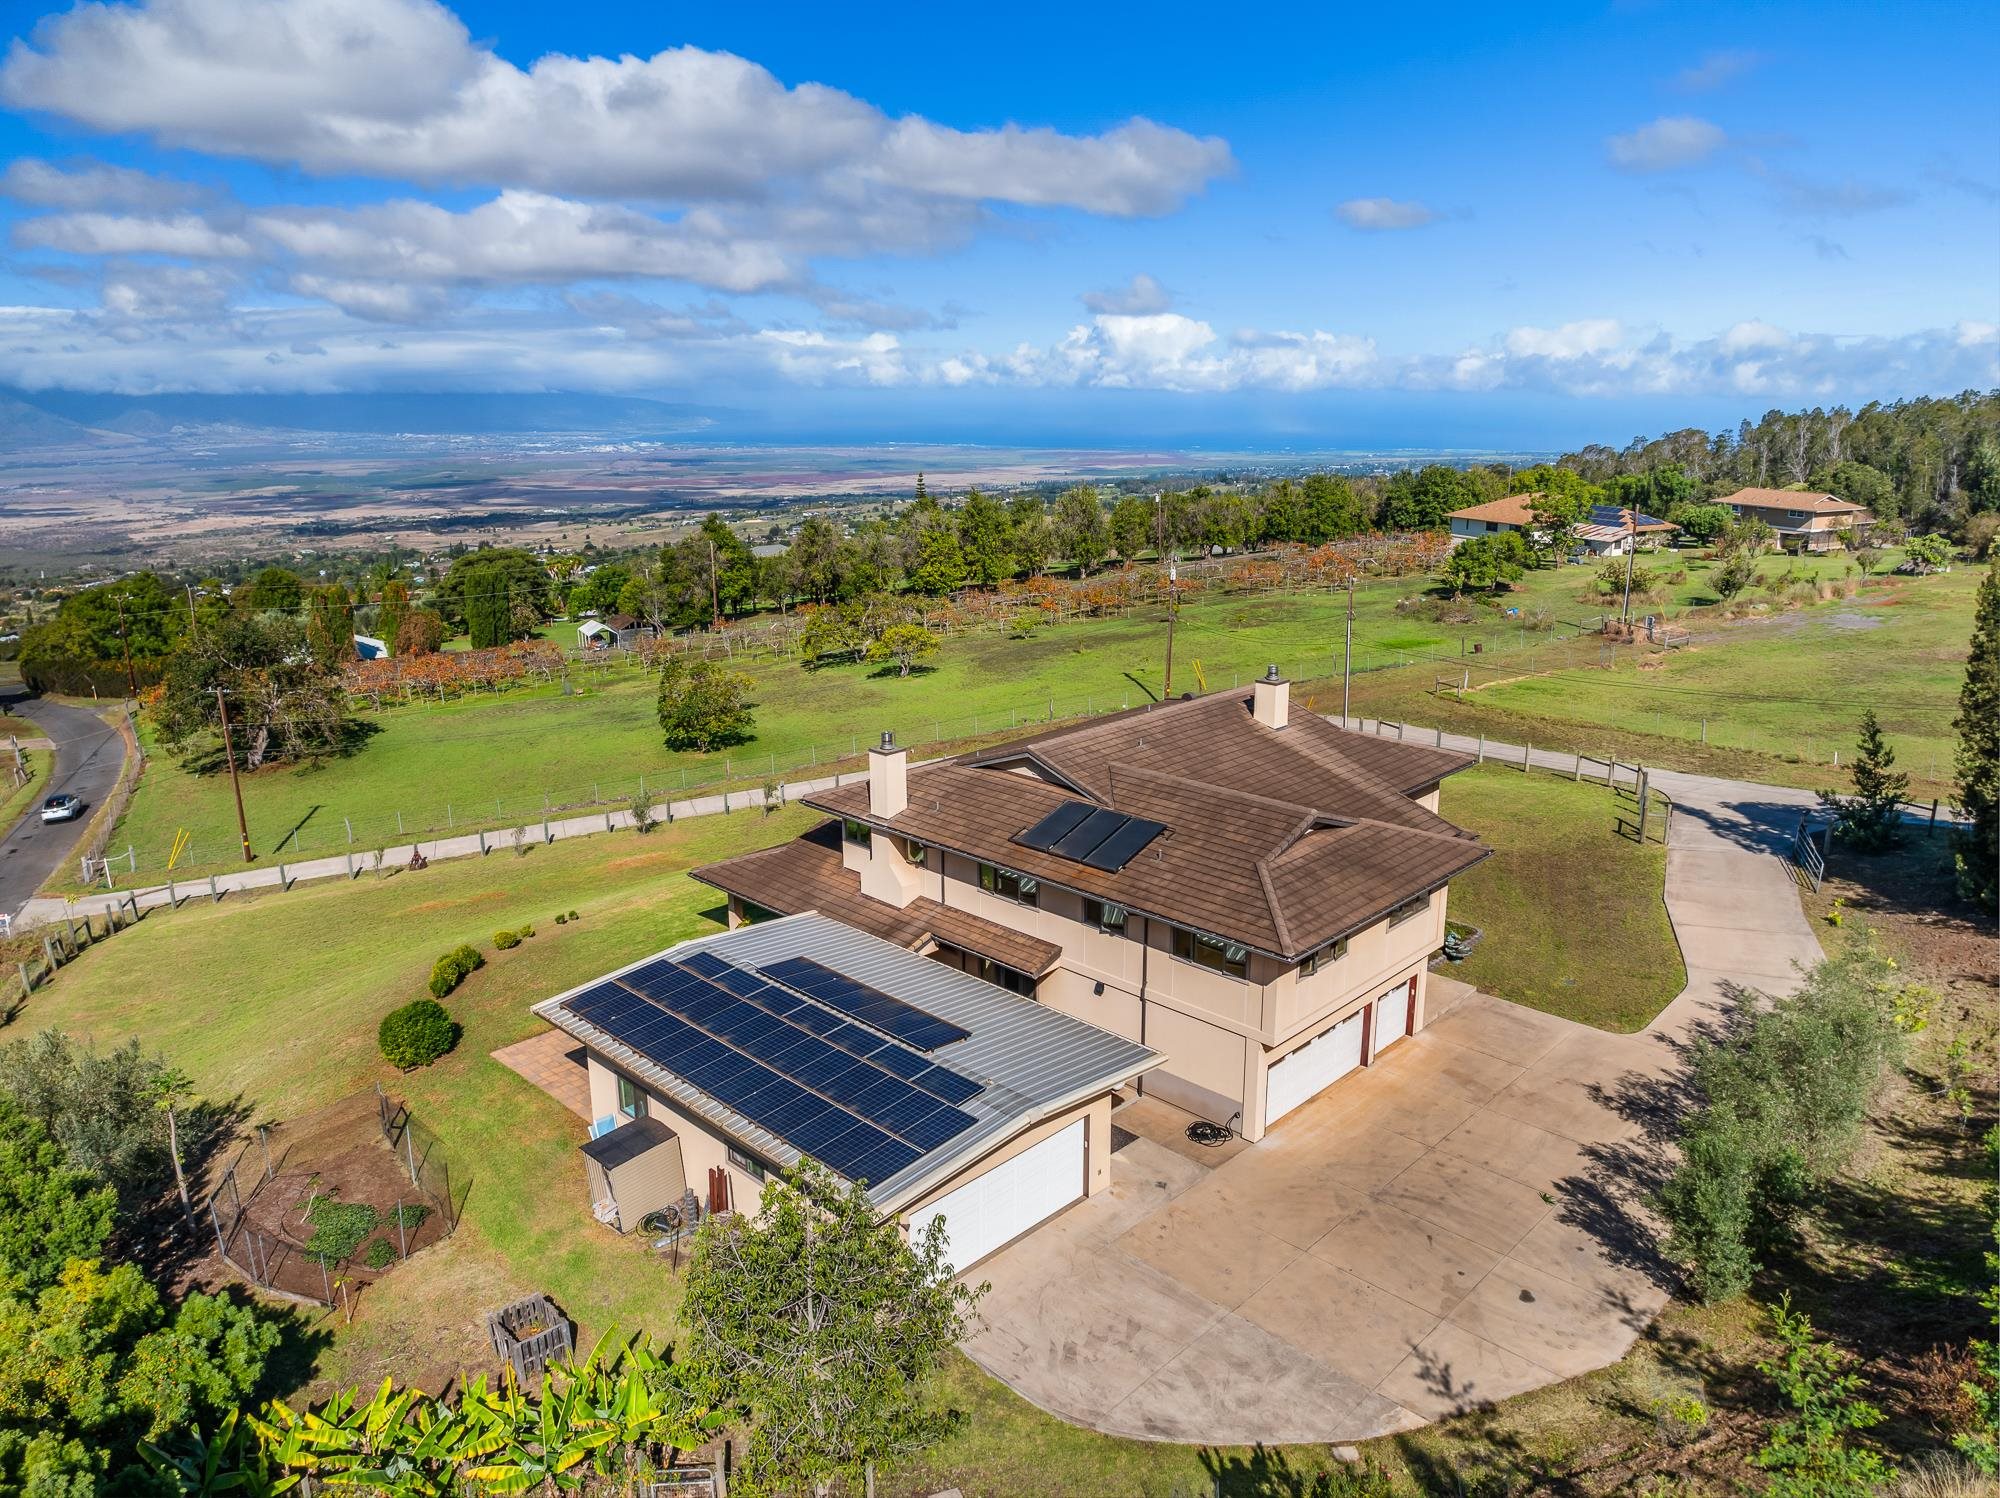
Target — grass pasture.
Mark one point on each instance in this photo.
(1764, 698)
(1574, 912)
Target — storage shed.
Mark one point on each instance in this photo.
(634, 1169)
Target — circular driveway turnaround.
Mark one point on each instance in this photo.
(89, 754)
(1462, 1221)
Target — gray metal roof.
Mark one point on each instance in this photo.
(1032, 1060)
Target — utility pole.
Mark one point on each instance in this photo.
(1631, 550)
(131, 686)
(229, 753)
(1347, 656)
(1160, 543)
(714, 588)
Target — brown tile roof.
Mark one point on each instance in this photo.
(1794, 499)
(1279, 840)
(1215, 740)
(1514, 509)
(807, 874)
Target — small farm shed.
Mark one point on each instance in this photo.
(634, 1169)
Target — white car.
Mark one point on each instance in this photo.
(62, 808)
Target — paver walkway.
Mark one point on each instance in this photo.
(1463, 1221)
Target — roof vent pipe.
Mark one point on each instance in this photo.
(1271, 700)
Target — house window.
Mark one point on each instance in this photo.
(1005, 977)
(1023, 889)
(1321, 957)
(915, 853)
(751, 1168)
(1211, 952)
(854, 832)
(1104, 915)
(1795, 514)
(631, 1099)
(1409, 910)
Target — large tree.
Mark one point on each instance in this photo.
(1420, 500)
(703, 704)
(274, 588)
(495, 594)
(1978, 764)
(815, 559)
(825, 1328)
(283, 705)
(933, 558)
(1081, 533)
(983, 538)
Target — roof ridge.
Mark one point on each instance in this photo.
(1278, 921)
(1142, 772)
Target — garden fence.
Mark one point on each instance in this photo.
(61, 941)
(363, 1151)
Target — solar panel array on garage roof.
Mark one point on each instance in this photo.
(890, 1015)
(834, 1090)
(1095, 836)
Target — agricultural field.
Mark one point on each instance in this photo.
(1762, 697)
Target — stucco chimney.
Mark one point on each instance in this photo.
(1272, 703)
(888, 778)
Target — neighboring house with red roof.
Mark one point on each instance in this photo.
(1605, 531)
(1803, 520)
(1254, 894)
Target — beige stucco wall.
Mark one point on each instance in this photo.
(1429, 799)
(701, 1150)
(1374, 957)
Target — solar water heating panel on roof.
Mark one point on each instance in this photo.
(1081, 839)
(1051, 829)
(1124, 844)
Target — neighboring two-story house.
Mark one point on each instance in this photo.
(1250, 892)
(1803, 521)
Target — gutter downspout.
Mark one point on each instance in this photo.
(1145, 967)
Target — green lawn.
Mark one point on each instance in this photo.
(274, 1001)
(1573, 912)
(492, 761)
(14, 800)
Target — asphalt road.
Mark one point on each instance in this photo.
(88, 756)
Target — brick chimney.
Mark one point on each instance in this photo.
(888, 778)
(1271, 704)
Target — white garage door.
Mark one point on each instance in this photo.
(1392, 1017)
(992, 1209)
(1312, 1067)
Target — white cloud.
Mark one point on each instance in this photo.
(1665, 144)
(1595, 336)
(1717, 68)
(168, 337)
(187, 234)
(92, 185)
(1376, 214)
(398, 89)
(1141, 295)
(1745, 337)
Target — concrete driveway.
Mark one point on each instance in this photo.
(1463, 1221)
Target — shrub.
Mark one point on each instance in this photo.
(1784, 1099)
(409, 1216)
(561, 919)
(506, 941)
(451, 969)
(1812, 1453)
(338, 1228)
(417, 1034)
(379, 1254)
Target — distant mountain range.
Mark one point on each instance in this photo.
(50, 418)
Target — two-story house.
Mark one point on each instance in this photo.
(1803, 521)
(1251, 892)
(1603, 531)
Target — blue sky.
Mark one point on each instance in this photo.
(1447, 226)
